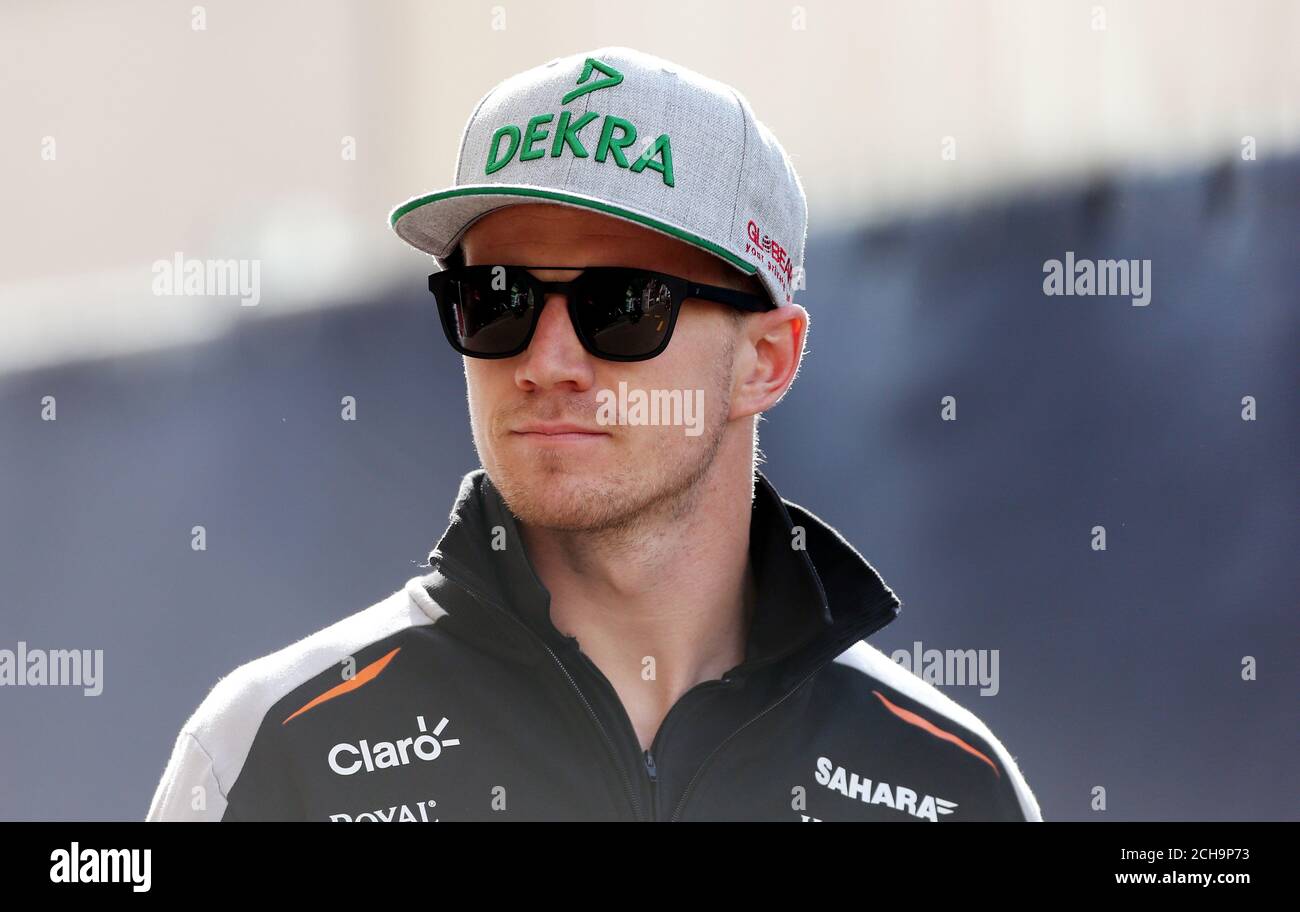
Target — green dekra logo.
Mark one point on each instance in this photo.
(616, 133)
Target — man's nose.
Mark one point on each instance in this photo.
(555, 355)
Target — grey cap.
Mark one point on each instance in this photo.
(632, 136)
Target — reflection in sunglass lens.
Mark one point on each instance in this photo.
(491, 313)
(625, 313)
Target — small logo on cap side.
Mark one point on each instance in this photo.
(776, 258)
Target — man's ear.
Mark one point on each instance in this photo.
(769, 351)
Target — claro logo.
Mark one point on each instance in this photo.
(347, 759)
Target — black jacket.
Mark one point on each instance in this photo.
(455, 698)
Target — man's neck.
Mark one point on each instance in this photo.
(661, 605)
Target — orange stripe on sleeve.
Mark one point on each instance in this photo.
(364, 676)
(927, 725)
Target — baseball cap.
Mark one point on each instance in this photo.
(632, 136)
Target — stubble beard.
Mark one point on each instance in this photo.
(555, 492)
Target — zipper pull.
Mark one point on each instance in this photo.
(650, 766)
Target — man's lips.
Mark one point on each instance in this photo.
(557, 431)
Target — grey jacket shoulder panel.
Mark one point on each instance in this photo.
(215, 741)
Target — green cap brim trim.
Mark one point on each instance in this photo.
(686, 236)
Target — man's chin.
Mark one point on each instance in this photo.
(564, 514)
(557, 496)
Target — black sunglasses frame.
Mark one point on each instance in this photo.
(680, 289)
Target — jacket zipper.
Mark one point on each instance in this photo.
(648, 763)
(628, 790)
(828, 655)
(653, 773)
(866, 629)
(609, 743)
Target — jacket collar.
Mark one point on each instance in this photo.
(812, 603)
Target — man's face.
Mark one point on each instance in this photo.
(604, 475)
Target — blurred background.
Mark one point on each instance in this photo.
(948, 150)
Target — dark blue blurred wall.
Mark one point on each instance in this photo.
(1118, 669)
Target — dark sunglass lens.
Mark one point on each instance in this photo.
(625, 313)
(489, 309)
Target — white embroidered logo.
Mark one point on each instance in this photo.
(899, 797)
(346, 759)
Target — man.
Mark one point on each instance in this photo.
(623, 620)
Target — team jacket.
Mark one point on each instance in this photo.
(455, 698)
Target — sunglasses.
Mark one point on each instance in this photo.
(619, 313)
